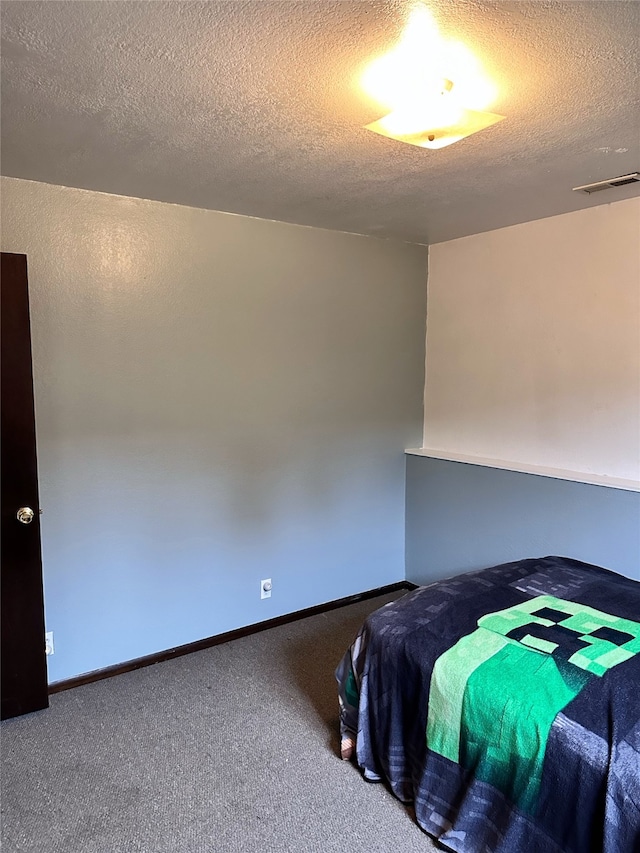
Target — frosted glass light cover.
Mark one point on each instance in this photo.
(468, 122)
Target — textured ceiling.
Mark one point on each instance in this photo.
(254, 107)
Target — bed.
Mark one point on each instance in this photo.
(504, 705)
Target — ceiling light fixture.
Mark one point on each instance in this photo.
(435, 87)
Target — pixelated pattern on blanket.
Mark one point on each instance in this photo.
(495, 694)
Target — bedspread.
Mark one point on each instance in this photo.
(505, 705)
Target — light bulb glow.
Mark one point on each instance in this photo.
(428, 82)
(412, 69)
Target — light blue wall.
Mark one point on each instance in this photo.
(461, 517)
(218, 400)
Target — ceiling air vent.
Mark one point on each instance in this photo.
(622, 181)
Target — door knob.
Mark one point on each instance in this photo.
(25, 514)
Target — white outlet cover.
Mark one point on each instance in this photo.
(265, 588)
(48, 643)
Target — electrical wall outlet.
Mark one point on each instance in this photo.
(48, 643)
(265, 588)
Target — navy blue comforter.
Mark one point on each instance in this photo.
(505, 705)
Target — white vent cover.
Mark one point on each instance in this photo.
(622, 181)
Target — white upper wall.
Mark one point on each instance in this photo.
(533, 343)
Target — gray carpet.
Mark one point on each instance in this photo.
(229, 749)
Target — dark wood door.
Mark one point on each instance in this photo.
(24, 667)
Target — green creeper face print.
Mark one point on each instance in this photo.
(495, 694)
(589, 639)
